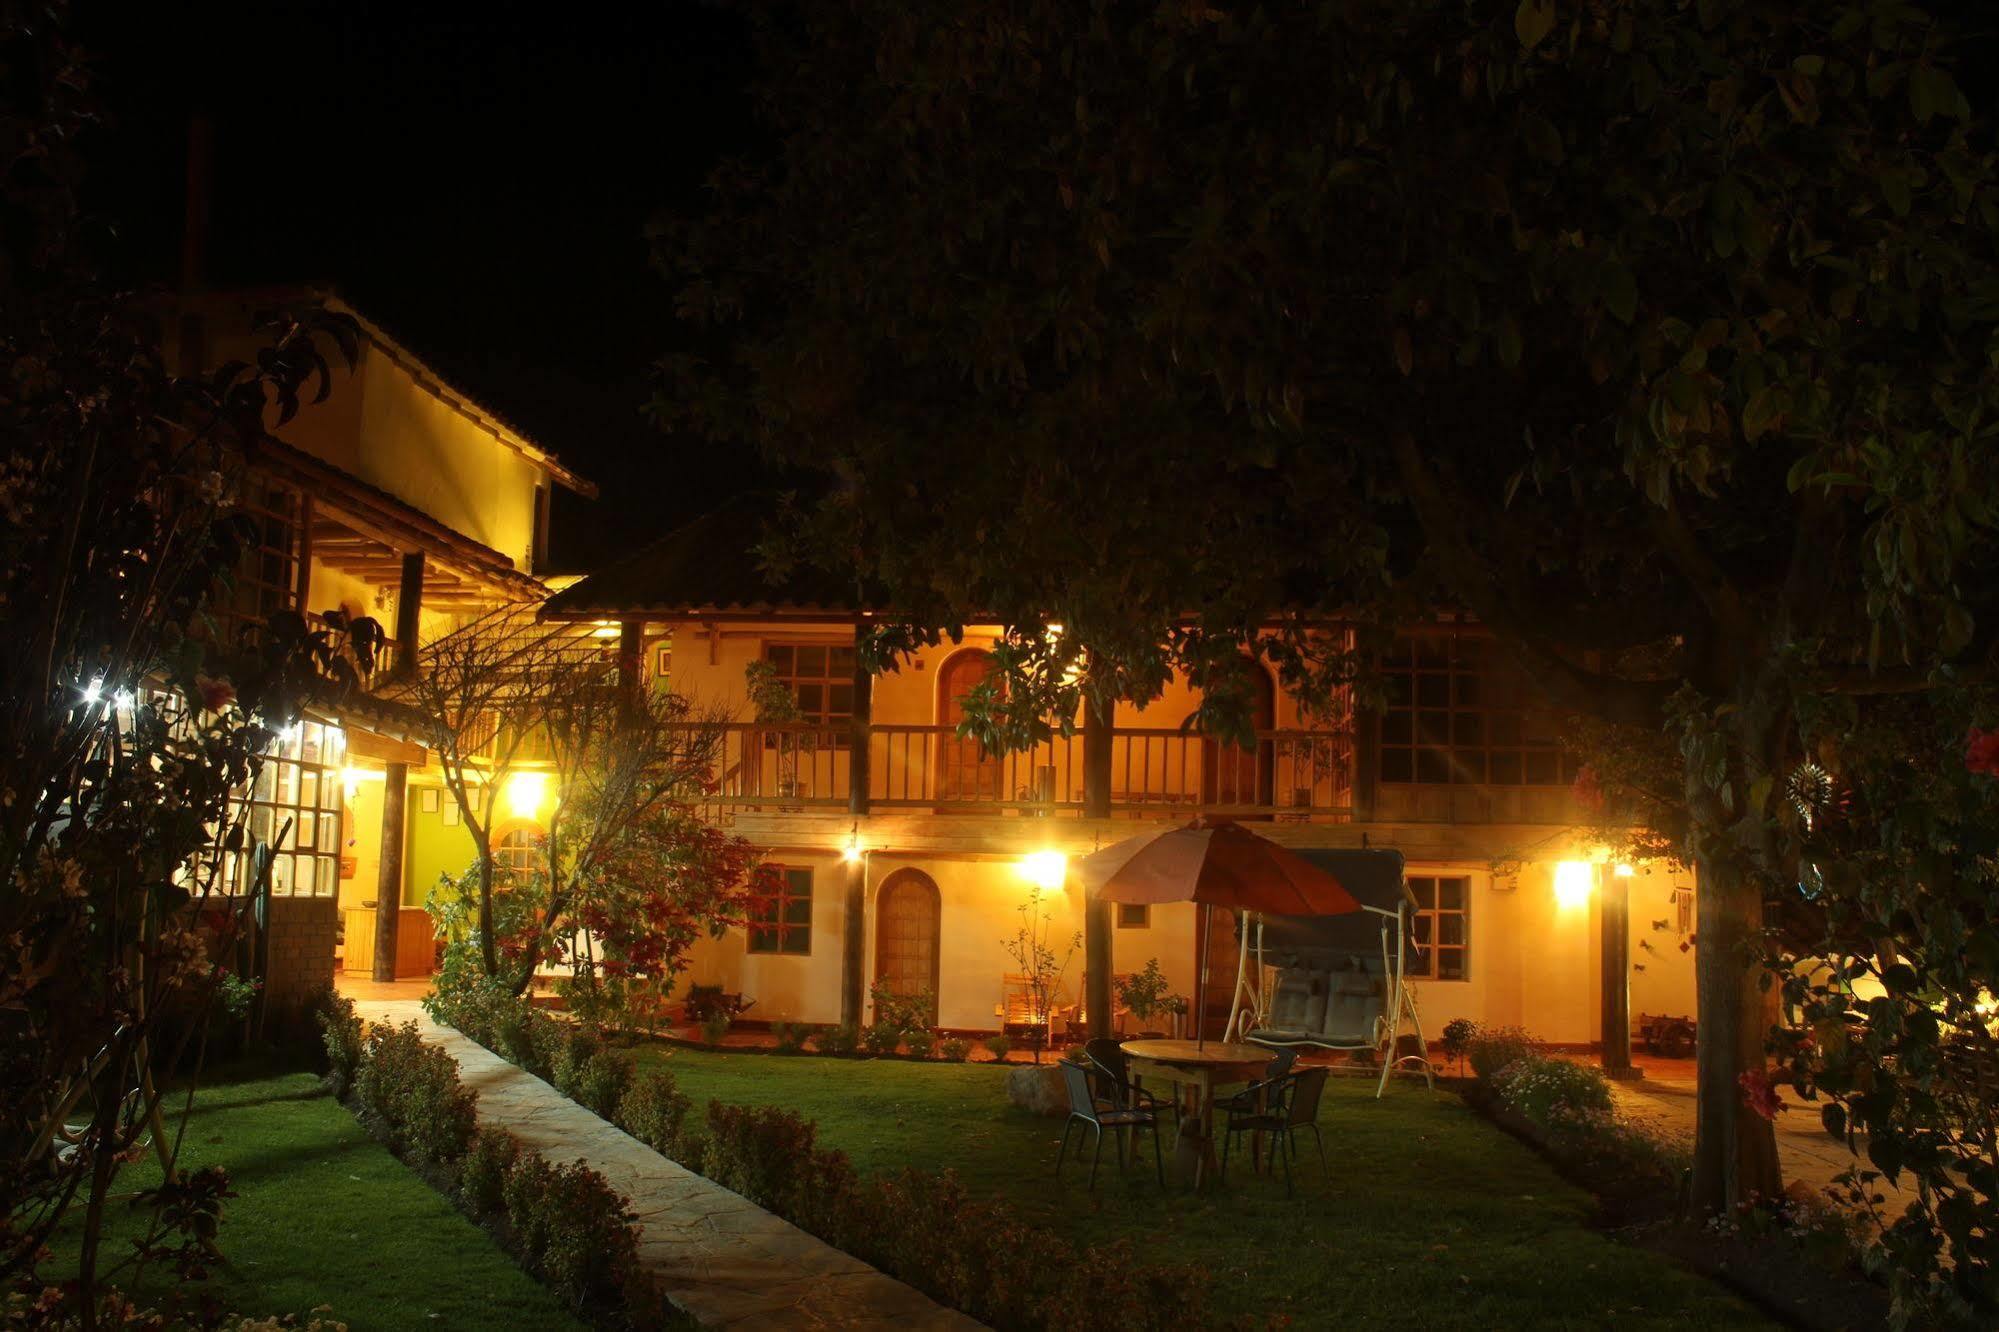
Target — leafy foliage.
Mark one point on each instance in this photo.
(344, 1037)
(413, 1088)
(1556, 1093)
(1492, 1050)
(1147, 994)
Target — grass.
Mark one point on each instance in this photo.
(326, 1216)
(1431, 1216)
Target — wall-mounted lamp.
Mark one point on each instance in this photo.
(1623, 871)
(852, 852)
(1574, 879)
(1047, 870)
(524, 793)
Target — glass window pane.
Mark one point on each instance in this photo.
(1397, 728)
(1467, 728)
(1450, 964)
(1432, 650)
(811, 700)
(1505, 768)
(842, 661)
(1451, 894)
(1433, 691)
(840, 700)
(1543, 768)
(1397, 765)
(779, 657)
(812, 663)
(798, 911)
(1451, 929)
(1431, 768)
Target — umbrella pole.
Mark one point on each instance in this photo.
(1201, 980)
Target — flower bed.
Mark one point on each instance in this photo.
(921, 1228)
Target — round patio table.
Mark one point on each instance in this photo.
(1196, 1070)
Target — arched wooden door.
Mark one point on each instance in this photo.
(1235, 775)
(907, 911)
(965, 773)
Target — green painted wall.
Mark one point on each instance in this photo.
(433, 849)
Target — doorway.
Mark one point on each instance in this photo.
(965, 772)
(1238, 776)
(907, 913)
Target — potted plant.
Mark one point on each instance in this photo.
(773, 704)
(1146, 996)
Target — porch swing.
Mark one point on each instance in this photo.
(1335, 982)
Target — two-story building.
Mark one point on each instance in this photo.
(402, 499)
(908, 852)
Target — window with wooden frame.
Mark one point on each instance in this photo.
(1133, 916)
(266, 577)
(1459, 713)
(821, 679)
(1440, 930)
(517, 855)
(784, 923)
(294, 810)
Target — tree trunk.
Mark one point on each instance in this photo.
(1735, 1149)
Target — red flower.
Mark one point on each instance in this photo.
(1758, 1094)
(215, 694)
(1587, 790)
(1981, 751)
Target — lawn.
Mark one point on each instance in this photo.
(1432, 1217)
(326, 1216)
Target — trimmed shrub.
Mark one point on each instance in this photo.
(569, 1049)
(715, 1026)
(483, 1176)
(791, 1036)
(918, 1043)
(529, 1036)
(654, 1110)
(414, 1088)
(881, 1040)
(954, 1049)
(999, 1046)
(600, 1082)
(341, 1029)
(1491, 1049)
(836, 1040)
(762, 1152)
(576, 1232)
(1556, 1094)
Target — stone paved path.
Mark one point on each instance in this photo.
(719, 1256)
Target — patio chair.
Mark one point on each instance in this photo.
(1085, 1107)
(1250, 1098)
(1291, 1103)
(1126, 1093)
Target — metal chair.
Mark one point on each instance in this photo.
(1290, 1103)
(1086, 1107)
(1114, 1068)
(1249, 1099)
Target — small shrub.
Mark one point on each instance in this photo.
(1556, 1093)
(761, 1152)
(600, 1082)
(836, 1040)
(918, 1043)
(576, 1231)
(483, 1176)
(1457, 1038)
(999, 1046)
(791, 1036)
(1491, 1049)
(881, 1040)
(654, 1110)
(901, 1012)
(414, 1088)
(954, 1049)
(341, 1028)
(715, 1026)
(529, 1036)
(570, 1050)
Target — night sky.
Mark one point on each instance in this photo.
(475, 177)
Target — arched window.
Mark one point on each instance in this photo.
(517, 855)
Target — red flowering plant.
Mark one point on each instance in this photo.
(666, 882)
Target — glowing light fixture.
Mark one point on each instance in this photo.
(94, 690)
(124, 700)
(1623, 871)
(1045, 869)
(852, 852)
(353, 777)
(1573, 881)
(605, 631)
(524, 793)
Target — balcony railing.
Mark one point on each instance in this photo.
(1162, 772)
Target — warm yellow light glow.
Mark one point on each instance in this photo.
(1573, 881)
(524, 793)
(1623, 871)
(353, 777)
(1045, 869)
(605, 629)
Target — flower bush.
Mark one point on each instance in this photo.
(791, 1036)
(999, 1047)
(413, 1089)
(341, 1030)
(1556, 1093)
(715, 1026)
(919, 1043)
(1491, 1049)
(954, 1049)
(841, 1040)
(881, 1040)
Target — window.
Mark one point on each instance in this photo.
(1133, 915)
(293, 808)
(821, 678)
(1460, 713)
(1441, 928)
(516, 856)
(784, 924)
(266, 578)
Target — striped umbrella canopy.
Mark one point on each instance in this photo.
(1214, 863)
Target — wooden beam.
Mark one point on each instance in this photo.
(389, 879)
(409, 610)
(859, 747)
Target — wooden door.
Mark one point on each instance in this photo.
(906, 935)
(965, 772)
(1236, 775)
(1223, 955)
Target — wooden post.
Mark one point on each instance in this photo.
(409, 613)
(860, 757)
(1616, 923)
(853, 942)
(389, 878)
(1097, 733)
(631, 658)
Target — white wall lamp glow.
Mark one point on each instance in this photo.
(524, 793)
(1046, 870)
(1574, 881)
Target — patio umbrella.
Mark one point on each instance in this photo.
(1213, 862)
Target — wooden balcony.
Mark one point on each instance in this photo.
(1153, 773)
